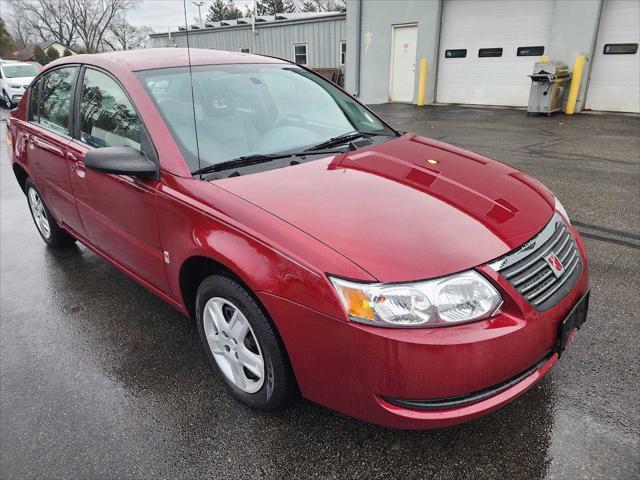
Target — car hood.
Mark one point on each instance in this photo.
(406, 209)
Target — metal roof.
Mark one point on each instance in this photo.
(261, 21)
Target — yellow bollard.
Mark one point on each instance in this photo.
(422, 82)
(575, 85)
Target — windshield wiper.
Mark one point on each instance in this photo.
(345, 138)
(256, 159)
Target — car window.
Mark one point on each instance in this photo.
(232, 111)
(34, 95)
(107, 118)
(55, 99)
(17, 71)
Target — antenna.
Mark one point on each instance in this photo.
(193, 101)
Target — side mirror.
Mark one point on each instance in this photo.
(121, 161)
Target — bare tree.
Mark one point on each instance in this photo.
(67, 21)
(121, 35)
(323, 5)
(43, 20)
(93, 18)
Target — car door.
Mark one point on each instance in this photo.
(118, 211)
(47, 133)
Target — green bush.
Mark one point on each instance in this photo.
(39, 55)
(52, 54)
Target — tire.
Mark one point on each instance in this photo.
(49, 230)
(222, 306)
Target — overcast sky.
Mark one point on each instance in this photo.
(162, 14)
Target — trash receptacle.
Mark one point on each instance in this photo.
(548, 84)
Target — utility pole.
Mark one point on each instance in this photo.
(199, 5)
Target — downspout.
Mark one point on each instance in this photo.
(582, 99)
(437, 62)
(358, 46)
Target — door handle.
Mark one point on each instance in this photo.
(80, 165)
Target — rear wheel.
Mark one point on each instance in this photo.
(47, 227)
(242, 345)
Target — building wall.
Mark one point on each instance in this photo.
(322, 36)
(573, 32)
(378, 18)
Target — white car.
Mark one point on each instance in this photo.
(15, 77)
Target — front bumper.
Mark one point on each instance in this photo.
(359, 370)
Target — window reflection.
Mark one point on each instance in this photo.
(107, 118)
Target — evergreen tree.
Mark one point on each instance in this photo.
(39, 55)
(221, 10)
(272, 7)
(6, 41)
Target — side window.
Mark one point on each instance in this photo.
(34, 95)
(107, 118)
(300, 53)
(55, 99)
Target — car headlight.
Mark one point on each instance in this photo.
(459, 298)
(559, 208)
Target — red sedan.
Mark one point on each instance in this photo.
(387, 276)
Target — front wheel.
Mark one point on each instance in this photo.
(242, 344)
(47, 227)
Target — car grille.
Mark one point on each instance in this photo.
(528, 268)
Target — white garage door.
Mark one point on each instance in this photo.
(614, 84)
(487, 49)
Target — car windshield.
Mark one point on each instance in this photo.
(252, 109)
(15, 71)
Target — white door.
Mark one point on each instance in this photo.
(614, 84)
(488, 47)
(403, 63)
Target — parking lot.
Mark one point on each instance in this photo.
(100, 379)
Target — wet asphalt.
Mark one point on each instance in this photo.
(100, 379)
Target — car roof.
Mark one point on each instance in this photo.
(151, 58)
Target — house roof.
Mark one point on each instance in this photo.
(27, 52)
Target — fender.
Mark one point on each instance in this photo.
(213, 223)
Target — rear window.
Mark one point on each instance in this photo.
(54, 102)
(16, 71)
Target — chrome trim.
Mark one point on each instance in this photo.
(561, 230)
(524, 268)
(574, 262)
(529, 247)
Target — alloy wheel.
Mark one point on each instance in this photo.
(39, 213)
(233, 344)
